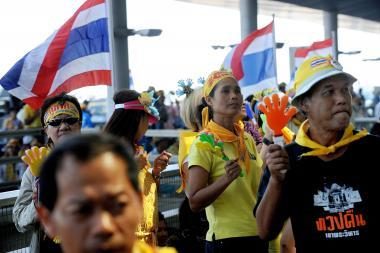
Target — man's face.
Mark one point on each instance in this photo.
(97, 209)
(329, 106)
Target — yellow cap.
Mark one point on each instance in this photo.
(314, 70)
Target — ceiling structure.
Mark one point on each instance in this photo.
(361, 15)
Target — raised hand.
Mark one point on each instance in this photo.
(161, 162)
(34, 157)
(277, 113)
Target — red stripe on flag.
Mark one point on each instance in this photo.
(50, 64)
(91, 78)
(236, 65)
(302, 52)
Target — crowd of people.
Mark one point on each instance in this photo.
(312, 192)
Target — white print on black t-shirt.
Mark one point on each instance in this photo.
(337, 198)
(339, 218)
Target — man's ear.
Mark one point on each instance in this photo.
(45, 218)
(304, 105)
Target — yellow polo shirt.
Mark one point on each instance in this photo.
(230, 215)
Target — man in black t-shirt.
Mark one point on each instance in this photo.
(324, 180)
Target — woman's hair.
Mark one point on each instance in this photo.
(84, 148)
(125, 123)
(61, 98)
(203, 104)
(189, 110)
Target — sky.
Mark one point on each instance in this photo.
(183, 50)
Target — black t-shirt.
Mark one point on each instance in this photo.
(328, 202)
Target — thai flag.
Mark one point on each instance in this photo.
(253, 63)
(318, 48)
(75, 56)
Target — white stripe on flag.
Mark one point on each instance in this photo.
(227, 60)
(264, 84)
(89, 15)
(32, 64)
(99, 61)
(260, 44)
(21, 93)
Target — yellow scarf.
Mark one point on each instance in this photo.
(225, 135)
(303, 139)
(186, 138)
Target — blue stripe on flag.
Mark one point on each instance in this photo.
(251, 62)
(10, 79)
(86, 40)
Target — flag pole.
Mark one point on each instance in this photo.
(274, 50)
(119, 44)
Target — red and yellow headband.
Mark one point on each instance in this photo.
(213, 79)
(59, 108)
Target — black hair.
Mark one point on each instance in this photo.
(125, 123)
(83, 147)
(61, 98)
(203, 105)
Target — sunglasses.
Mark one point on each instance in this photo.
(58, 122)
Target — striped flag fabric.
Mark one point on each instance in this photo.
(318, 48)
(253, 63)
(75, 56)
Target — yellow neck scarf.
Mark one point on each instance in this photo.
(303, 139)
(225, 135)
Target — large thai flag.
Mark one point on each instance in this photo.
(318, 48)
(253, 63)
(75, 56)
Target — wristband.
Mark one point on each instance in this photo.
(267, 142)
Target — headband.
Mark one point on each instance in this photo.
(59, 108)
(143, 103)
(212, 80)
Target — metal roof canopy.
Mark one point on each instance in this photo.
(363, 15)
(366, 9)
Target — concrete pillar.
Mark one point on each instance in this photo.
(248, 17)
(330, 22)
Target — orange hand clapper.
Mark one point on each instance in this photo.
(277, 113)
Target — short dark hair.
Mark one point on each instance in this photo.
(61, 98)
(125, 123)
(83, 147)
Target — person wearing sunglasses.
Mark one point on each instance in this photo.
(61, 116)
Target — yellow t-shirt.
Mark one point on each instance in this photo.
(141, 247)
(230, 215)
(147, 229)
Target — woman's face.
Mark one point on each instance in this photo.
(61, 126)
(143, 127)
(97, 208)
(227, 98)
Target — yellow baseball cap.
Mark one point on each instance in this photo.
(313, 70)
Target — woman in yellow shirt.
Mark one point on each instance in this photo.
(225, 170)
